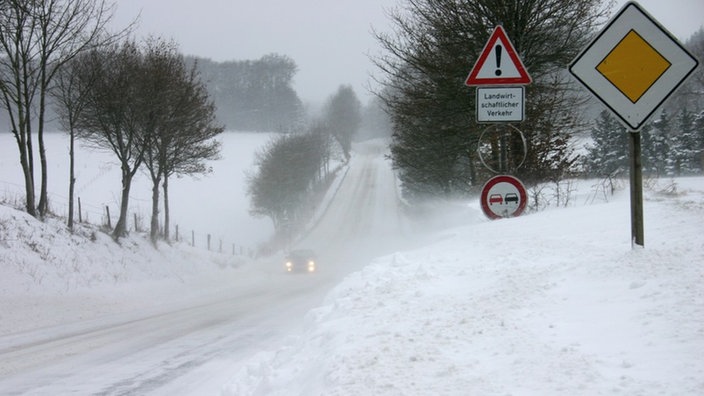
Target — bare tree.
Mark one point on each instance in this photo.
(71, 87)
(179, 121)
(343, 116)
(111, 116)
(288, 171)
(144, 105)
(191, 139)
(37, 37)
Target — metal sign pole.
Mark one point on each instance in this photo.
(637, 233)
(632, 66)
(503, 156)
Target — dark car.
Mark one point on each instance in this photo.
(511, 197)
(300, 260)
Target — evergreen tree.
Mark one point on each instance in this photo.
(608, 154)
(686, 148)
(657, 137)
(699, 138)
(427, 59)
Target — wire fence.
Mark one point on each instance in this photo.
(104, 216)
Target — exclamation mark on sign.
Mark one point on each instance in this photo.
(497, 51)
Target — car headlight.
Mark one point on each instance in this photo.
(289, 265)
(311, 266)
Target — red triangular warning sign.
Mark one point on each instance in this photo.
(498, 63)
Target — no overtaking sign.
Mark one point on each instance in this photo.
(503, 196)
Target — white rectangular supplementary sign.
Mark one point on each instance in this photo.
(500, 104)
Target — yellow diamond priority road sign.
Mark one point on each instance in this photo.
(633, 65)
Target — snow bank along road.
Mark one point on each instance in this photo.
(192, 344)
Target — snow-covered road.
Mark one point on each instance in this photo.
(185, 344)
(144, 350)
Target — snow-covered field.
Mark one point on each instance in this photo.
(52, 277)
(214, 204)
(550, 303)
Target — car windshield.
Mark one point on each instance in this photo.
(301, 253)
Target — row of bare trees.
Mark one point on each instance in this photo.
(37, 38)
(142, 103)
(292, 169)
(254, 95)
(138, 100)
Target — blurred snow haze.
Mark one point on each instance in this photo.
(406, 302)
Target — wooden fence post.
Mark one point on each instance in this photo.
(107, 210)
(80, 217)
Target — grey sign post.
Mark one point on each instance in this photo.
(632, 67)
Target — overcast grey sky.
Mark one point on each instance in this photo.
(328, 39)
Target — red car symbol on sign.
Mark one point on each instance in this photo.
(496, 198)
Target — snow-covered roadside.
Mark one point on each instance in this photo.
(551, 303)
(51, 276)
(54, 277)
